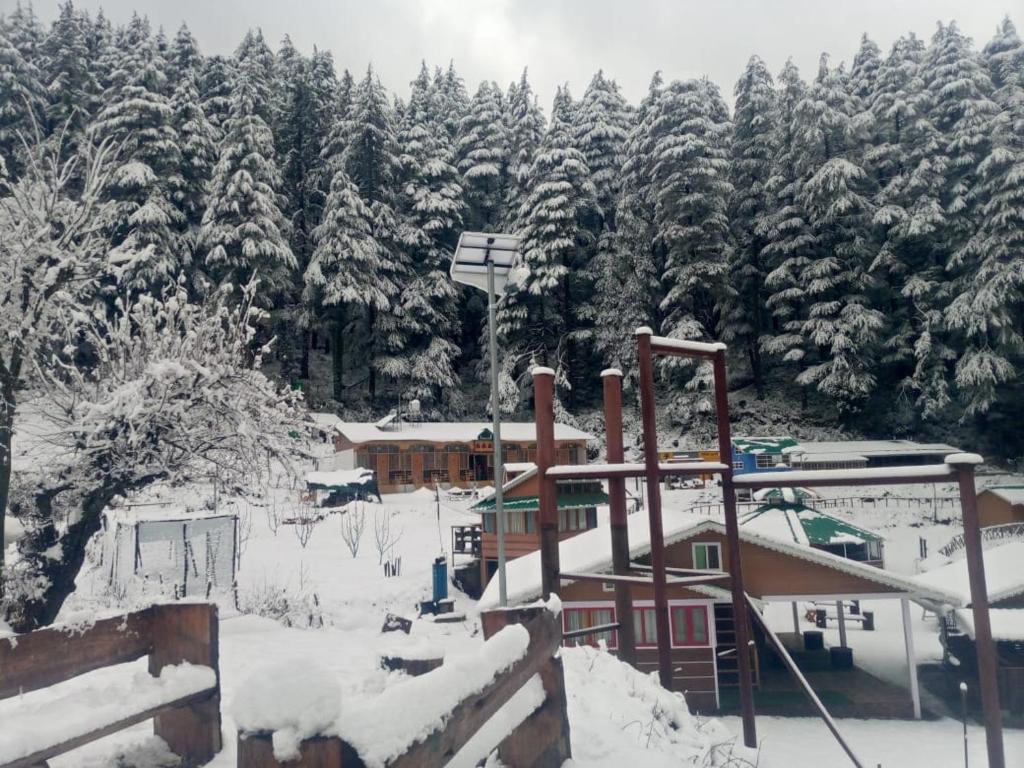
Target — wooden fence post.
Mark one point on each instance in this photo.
(188, 632)
(542, 739)
(257, 751)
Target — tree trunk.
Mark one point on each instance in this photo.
(6, 430)
(304, 359)
(337, 355)
(59, 572)
(371, 317)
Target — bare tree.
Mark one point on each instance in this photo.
(304, 522)
(353, 521)
(384, 537)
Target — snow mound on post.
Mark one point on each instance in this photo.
(294, 702)
(619, 716)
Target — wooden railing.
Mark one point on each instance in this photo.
(843, 502)
(541, 740)
(187, 718)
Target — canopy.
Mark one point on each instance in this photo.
(532, 503)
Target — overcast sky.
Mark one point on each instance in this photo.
(563, 41)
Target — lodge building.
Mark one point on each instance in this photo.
(410, 455)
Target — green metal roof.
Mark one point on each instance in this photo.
(773, 445)
(818, 527)
(528, 503)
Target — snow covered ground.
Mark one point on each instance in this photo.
(617, 716)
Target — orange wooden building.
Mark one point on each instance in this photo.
(409, 455)
(702, 622)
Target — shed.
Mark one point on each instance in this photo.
(1001, 505)
(343, 485)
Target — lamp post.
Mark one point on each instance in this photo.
(484, 260)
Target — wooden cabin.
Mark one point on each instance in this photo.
(1001, 505)
(410, 455)
(577, 512)
(702, 621)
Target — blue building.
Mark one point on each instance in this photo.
(760, 454)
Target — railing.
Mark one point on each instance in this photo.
(180, 640)
(542, 739)
(995, 533)
(841, 502)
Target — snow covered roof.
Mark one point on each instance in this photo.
(784, 494)
(1013, 494)
(340, 478)
(450, 432)
(1007, 623)
(324, 419)
(808, 458)
(775, 445)
(873, 448)
(803, 525)
(590, 552)
(1004, 576)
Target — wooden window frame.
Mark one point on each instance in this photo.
(693, 553)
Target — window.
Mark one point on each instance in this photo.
(574, 618)
(766, 460)
(645, 628)
(707, 556)
(689, 625)
(574, 519)
(737, 465)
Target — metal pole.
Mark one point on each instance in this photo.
(650, 427)
(544, 418)
(963, 716)
(985, 648)
(841, 617)
(499, 508)
(740, 611)
(611, 381)
(908, 644)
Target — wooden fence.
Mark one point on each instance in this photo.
(541, 740)
(188, 721)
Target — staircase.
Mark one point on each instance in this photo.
(728, 666)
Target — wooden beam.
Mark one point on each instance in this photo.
(599, 629)
(821, 478)
(49, 656)
(466, 718)
(36, 758)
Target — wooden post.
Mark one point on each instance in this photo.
(732, 535)
(544, 416)
(543, 738)
(188, 632)
(988, 680)
(650, 426)
(841, 617)
(611, 380)
(257, 751)
(908, 643)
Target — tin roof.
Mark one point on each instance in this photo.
(532, 503)
(803, 525)
(774, 445)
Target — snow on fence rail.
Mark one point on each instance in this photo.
(989, 535)
(182, 697)
(428, 719)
